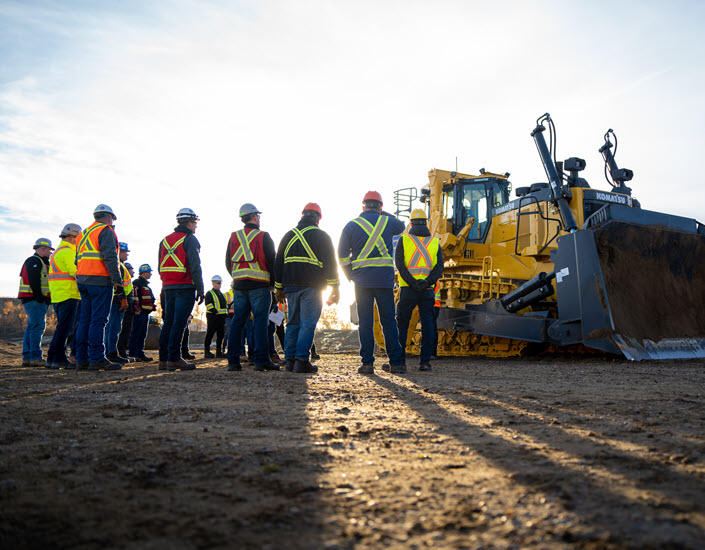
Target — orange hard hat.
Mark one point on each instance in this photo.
(314, 207)
(372, 196)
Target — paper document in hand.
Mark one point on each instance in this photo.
(276, 317)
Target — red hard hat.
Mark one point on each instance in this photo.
(372, 196)
(313, 206)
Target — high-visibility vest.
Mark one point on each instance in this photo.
(173, 262)
(26, 290)
(437, 294)
(247, 255)
(420, 256)
(374, 240)
(62, 273)
(145, 299)
(217, 306)
(230, 298)
(298, 237)
(126, 279)
(89, 260)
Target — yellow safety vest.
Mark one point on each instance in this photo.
(420, 255)
(299, 237)
(217, 305)
(126, 279)
(62, 273)
(374, 240)
(26, 290)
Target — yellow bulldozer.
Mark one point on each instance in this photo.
(562, 265)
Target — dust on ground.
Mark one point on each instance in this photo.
(528, 453)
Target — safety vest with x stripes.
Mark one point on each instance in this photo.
(89, 260)
(420, 256)
(247, 255)
(173, 262)
(374, 241)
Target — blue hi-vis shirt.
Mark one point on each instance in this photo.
(353, 240)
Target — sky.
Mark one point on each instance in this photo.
(150, 107)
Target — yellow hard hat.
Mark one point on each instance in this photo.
(418, 214)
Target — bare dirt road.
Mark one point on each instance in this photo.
(537, 453)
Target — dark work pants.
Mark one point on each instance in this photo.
(125, 332)
(65, 316)
(140, 325)
(408, 300)
(216, 325)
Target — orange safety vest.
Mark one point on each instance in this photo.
(89, 260)
(173, 262)
(437, 292)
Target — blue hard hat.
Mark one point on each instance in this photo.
(123, 246)
(144, 268)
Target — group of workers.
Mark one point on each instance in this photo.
(88, 272)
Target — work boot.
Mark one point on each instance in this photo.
(220, 355)
(366, 369)
(290, 365)
(68, 365)
(394, 369)
(162, 365)
(244, 360)
(188, 355)
(36, 363)
(103, 364)
(304, 366)
(274, 358)
(115, 358)
(134, 359)
(82, 366)
(25, 362)
(179, 365)
(266, 366)
(315, 356)
(145, 359)
(234, 366)
(425, 365)
(57, 365)
(208, 355)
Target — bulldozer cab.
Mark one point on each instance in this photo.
(475, 198)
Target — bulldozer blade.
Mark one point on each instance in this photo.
(638, 289)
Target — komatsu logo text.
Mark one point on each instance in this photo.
(609, 197)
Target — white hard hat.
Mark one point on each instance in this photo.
(186, 213)
(103, 210)
(217, 278)
(248, 208)
(70, 230)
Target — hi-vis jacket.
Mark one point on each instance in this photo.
(365, 249)
(418, 256)
(97, 256)
(249, 258)
(144, 304)
(33, 279)
(306, 259)
(216, 303)
(62, 273)
(180, 261)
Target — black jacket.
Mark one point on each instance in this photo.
(34, 275)
(436, 272)
(301, 274)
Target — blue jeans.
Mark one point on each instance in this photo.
(408, 300)
(65, 316)
(256, 301)
(178, 306)
(112, 331)
(305, 307)
(33, 332)
(90, 332)
(366, 298)
(140, 324)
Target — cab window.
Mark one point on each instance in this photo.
(473, 205)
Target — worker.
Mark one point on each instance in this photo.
(229, 318)
(118, 308)
(182, 283)
(185, 352)
(35, 298)
(144, 305)
(126, 327)
(216, 313)
(64, 294)
(419, 260)
(249, 258)
(436, 313)
(98, 276)
(364, 255)
(305, 265)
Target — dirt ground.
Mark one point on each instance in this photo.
(549, 452)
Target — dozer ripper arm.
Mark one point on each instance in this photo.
(453, 245)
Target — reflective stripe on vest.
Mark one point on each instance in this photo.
(55, 273)
(89, 260)
(437, 293)
(244, 264)
(26, 290)
(170, 254)
(217, 304)
(420, 256)
(299, 237)
(126, 279)
(374, 240)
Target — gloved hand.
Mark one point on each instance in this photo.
(334, 297)
(123, 304)
(199, 298)
(419, 285)
(280, 295)
(40, 298)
